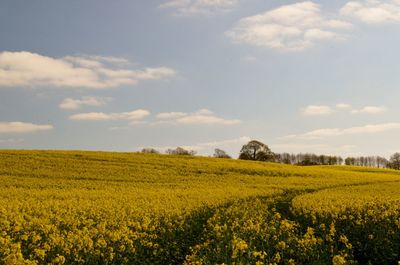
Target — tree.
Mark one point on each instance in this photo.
(180, 151)
(307, 159)
(395, 161)
(255, 150)
(323, 160)
(218, 153)
(150, 151)
(286, 158)
(381, 162)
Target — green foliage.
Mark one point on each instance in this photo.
(255, 150)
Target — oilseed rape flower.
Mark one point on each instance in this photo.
(59, 207)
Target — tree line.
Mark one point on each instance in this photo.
(258, 151)
(255, 150)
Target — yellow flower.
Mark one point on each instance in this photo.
(59, 260)
(338, 260)
(281, 245)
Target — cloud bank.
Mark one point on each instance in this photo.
(209, 145)
(294, 27)
(199, 7)
(331, 132)
(23, 127)
(373, 11)
(323, 110)
(317, 110)
(370, 110)
(313, 148)
(71, 104)
(26, 69)
(203, 116)
(101, 116)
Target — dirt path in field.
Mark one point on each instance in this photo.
(197, 224)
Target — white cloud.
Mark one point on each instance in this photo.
(205, 119)
(312, 148)
(109, 59)
(11, 141)
(199, 7)
(22, 127)
(70, 103)
(292, 27)
(28, 69)
(371, 110)
(330, 132)
(208, 145)
(343, 106)
(326, 110)
(373, 11)
(203, 116)
(170, 115)
(317, 110)
(101, 116)
(216, 144)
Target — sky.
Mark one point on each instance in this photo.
(313, 76)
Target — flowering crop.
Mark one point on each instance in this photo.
(59, 207)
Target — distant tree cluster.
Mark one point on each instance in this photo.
(308, 159)
(180, 151)
(258, 151)
(149, 151)
(176, 151)
(367, 161)
(375, 161)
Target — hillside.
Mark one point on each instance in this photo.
(127, 208)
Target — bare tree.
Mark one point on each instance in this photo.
(180, 151)
(149, 151)
(350, 161)
(218, 153)
(381, 162)
(307, 159)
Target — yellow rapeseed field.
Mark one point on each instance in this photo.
(73, 207)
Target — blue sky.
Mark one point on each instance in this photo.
(120, 75)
